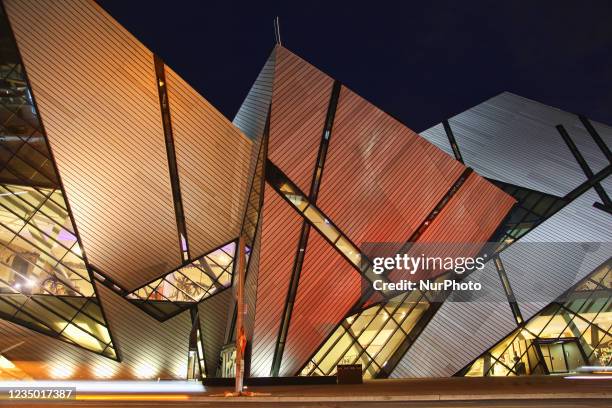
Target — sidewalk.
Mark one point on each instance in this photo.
(439, 389)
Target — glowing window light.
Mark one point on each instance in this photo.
(77, 250)
(82, 338)
(6, 364)
(102, 370)
(145, 371)
(61, 372)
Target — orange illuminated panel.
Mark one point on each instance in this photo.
(467, 222)
(96, 91)
(381, 179)
(329, 286)
(300, 100)
(281, 226)
(213, 160)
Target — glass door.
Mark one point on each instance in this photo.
(561, 356)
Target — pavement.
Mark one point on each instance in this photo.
(440, 392)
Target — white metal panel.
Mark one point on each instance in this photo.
(513, 139)
(558, 253)
(251, 117)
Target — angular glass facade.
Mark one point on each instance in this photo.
(572, 332)
(44, 281)
(370, 337)
(189, 284)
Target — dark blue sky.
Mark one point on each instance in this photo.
(420, 61)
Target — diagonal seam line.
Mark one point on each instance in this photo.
(584, 165)
(298, 261)
(275, 177)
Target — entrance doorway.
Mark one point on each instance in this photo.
(561, 356)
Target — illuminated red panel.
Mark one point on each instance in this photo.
(467, 221)
(381, 179)
(328, 288)
(280, 234)
(300, 99)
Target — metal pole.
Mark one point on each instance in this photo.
(240, 335)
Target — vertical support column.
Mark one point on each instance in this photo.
(195, 357)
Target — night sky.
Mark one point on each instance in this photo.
(420, 61)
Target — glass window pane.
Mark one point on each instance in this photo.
(321, 223)
(330, 361)
(349, 250)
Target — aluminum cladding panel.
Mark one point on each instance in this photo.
(251, 117)
(514, 140)
(148, 349)
(558, 253)
(329, 287)
(213, 317)
(95, 88)
(213, 160)
(279, 240)
(300, 100)
(381, 179)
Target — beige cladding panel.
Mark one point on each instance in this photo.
(95, 88)
(213, 160)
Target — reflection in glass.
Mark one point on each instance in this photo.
(193, 282)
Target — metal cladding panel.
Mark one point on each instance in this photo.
(328, 288)
(213, 160)
(280, 235)
(300, 100)
(467, 221)
(252, 115)
(43, 357)
(460, 331)
(149, 349)
(514, 140)
(607, 185)
(437, 135)
(213, 320)
(605, 131)
(144, 341)
(559, 265)
(96, 91)
(381, 179)
(471, 215)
